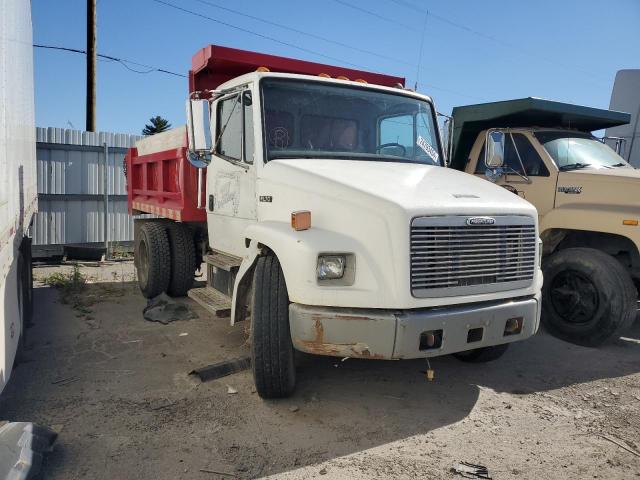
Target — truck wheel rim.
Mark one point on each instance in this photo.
(574, 297)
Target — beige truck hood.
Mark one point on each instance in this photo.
(605, 186)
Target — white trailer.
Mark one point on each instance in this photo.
(625, 97)
(18, 183)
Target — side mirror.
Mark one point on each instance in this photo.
(199, 128)
(494, 153)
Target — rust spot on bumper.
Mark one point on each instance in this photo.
(321, 329)
(353, 350)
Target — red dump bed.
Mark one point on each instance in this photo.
(160, 179)
(214, 65)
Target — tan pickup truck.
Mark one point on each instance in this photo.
(588, 202)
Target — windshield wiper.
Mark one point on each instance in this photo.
(574, 166)
(619, 165)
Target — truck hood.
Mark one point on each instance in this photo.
(417, 189)
(365, 208)
(603, 187)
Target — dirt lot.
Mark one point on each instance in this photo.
(117, 389)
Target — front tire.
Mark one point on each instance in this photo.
(482, 355)
(152, 259)
(272, 354)
(588, 297)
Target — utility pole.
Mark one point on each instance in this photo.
(91, 65)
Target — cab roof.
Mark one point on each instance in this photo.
(470, 120)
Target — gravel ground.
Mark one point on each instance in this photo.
(117, 389)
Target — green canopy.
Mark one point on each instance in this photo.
(469, 120)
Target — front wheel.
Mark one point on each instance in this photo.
(588, 297)
(272, 354)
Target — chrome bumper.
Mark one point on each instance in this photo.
(401, 334)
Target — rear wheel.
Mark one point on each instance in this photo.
(183, 259)
(272, 351)
(152, 259)
(482, 355)
(588, 297)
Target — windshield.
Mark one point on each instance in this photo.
(574, 150)
(307, 119)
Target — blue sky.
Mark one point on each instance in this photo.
(474, 51)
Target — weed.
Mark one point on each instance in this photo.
(70, 283)
(82, 292)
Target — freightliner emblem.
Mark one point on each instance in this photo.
(481, 221)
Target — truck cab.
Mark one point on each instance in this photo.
(328, 220)
(583, 191)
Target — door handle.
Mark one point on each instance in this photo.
(211, 203)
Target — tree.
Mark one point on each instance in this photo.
(158, 124)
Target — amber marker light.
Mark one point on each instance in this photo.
(301, 220)
(324, 75)
(633, 223)
(360, 80)
(341, 77)
(262, 69)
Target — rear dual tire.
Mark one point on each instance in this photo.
(183, 259)
(165, 259)
(152, 256)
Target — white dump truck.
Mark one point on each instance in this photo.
(18, 184)
(317, 198)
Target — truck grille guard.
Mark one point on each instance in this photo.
(452, 256)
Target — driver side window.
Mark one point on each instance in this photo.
(234, 129)
(533, 164)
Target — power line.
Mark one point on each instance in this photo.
(122, 61)
(245, 30)
(281, 42)
(409, 5)
(308, 34)
(374, 14)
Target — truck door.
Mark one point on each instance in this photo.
(526, 174)
(231, 176)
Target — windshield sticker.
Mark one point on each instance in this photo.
(428, 149)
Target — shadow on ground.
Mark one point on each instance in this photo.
(117, 389)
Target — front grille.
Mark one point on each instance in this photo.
(449, 257)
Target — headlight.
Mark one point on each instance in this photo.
(330, 267)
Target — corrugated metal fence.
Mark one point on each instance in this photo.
(71, 190)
